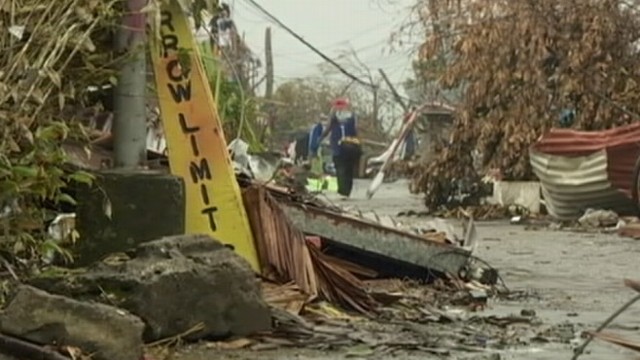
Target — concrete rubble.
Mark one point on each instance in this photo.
(42, 318)
(599, 218)
(189, 285)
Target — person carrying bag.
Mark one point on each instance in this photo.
(345, 145)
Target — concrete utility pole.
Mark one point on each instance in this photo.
(269, 79)
(130, 118)
(268, 58)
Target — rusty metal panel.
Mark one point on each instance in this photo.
(575, 143)
(621, 161)
(571, 184)
(375, 238)
(601, 163)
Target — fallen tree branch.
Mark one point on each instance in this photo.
(21, 349)
(580, 349)
(9, 268)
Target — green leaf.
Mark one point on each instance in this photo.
(62, 197)
(24, 171)
(82, 177)
(52, 246)
(54, 131)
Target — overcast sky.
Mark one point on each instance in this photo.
(330, 25)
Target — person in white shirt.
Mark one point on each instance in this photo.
(226, 29)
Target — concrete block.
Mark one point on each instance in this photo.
(124, 209)
(173, 284)
(104, 331)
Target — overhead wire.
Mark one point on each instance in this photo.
(277, 21)
(384, 92)
(270, 17)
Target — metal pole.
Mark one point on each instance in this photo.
(130, 120)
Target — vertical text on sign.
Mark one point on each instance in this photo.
(179, 86)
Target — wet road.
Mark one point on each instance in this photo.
(577, 275)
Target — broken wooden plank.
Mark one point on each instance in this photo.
(285, 251)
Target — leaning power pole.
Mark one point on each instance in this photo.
(396, 96)
(130, 120)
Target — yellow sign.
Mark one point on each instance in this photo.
(196, 145)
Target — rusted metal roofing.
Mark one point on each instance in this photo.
(572, 184)
(580, 169)
(574, 143)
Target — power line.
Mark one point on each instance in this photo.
(313, 48)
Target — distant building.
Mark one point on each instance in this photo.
(435, 125)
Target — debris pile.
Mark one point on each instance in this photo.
(599, 219)
(320, 261)
(437, 320)
(184, 287)
(287, 253)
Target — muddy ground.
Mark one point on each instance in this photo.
(577, 278)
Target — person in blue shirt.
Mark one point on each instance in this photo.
(308, 143)
(345, 146)
(315, 138)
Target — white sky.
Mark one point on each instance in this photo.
(332, 26)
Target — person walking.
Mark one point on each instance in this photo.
(315, 152)
(308, 143)
(345, 146)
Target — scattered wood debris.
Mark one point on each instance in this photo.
(287, 297)
(436, 319)
(286, 255)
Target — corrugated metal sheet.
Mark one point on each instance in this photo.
(580, 169)
(621, 161)
(572, 184)
(574, 143)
